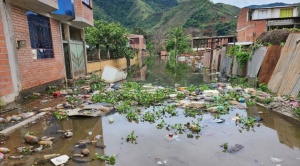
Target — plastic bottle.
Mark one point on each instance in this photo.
(4, 150)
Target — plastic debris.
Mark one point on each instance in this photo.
(68, 134)
(46, 143)
(60, 160)
(219, 120)
(1, 156)
(31, 138)
(98, 137)
(50, 156)
(275, 160)
(111, 120)
(159, 161)
(16, 157)
(235, 149)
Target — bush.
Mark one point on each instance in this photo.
(297, 112)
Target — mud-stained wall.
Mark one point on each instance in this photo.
(118, 63)
(269, 63)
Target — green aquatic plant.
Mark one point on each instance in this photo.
(161, 124)
(60, 115)
(297, 112)
(225, 146)
(263, 87)
(178, 126)
(204, 87)
(131, 138)
(73, 100)
(149, 117)
(250, 102)
(98, 86)
(111, 160)
(171, 109)
(123, 107)
(192, 88)
(132, 116)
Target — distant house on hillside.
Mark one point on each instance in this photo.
(256, 19)
(138, 43)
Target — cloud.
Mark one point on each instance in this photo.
(243, 3)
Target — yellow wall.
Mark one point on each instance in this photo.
(118, 63)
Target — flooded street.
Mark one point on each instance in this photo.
(273, 141)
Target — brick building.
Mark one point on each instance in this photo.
(41, 43)
(256, 19)
(138, 43)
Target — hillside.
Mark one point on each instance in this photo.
(202, 15)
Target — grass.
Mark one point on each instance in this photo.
(297, 112)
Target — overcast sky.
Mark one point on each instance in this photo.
(243, 3)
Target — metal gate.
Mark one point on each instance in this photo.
(78, 58)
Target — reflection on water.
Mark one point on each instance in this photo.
(288, 132)
(183, 75)
(275, 137)
(83, 129)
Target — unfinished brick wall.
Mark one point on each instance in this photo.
(6, 86)
(81, 10)
(248, 31)
(35, 72)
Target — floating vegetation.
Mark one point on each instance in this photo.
(161, 124)
(132, 116)
(60, 115)
(108, 159)
(132, 138)
(149, 117)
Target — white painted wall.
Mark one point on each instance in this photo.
(270, 13)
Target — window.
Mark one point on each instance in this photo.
(262, 14)
(134, 41)
(286, 13)
(87, 2)
(40, 35)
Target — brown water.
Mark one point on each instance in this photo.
(275, 137)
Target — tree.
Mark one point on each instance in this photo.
(139, 31)
(176, 44)
(111, 35)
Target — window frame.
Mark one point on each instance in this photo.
(37, 32)
(87, 3)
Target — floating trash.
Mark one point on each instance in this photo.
(275, 160)
(235, 149)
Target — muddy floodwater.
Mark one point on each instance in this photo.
(273, 141)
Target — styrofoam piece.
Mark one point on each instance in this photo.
(111, 74)
(210, 93)
(60, 160)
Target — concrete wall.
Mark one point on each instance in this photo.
(6, 86)
(118, 63)
(10, 85)
(247, 30)
(271, 13)
(35, 72)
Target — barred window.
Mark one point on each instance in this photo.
(40, 35)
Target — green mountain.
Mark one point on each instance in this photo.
(202, 16)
